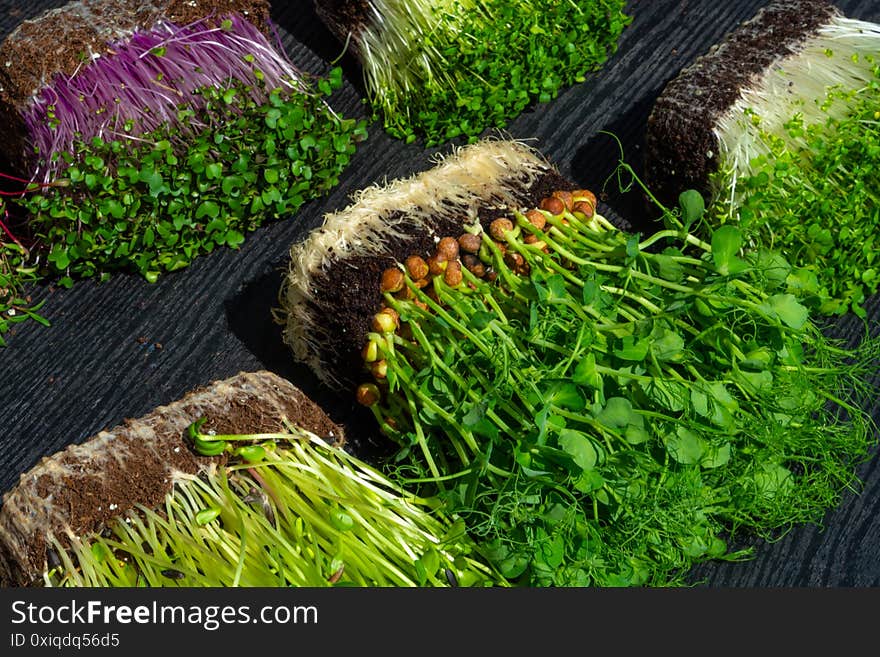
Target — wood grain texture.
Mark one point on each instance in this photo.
(117, 350)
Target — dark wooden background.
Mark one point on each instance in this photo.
(118, 349)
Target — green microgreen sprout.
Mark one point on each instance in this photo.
(280, 509)
(17, 274)
(605, 408)
(799, 167)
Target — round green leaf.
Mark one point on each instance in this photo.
(618, 413)
(686, 447)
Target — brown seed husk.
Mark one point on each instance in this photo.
(416, 267)
(553, 205)
(393, 280)
(469, 242)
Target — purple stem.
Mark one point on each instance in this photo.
(6, 230)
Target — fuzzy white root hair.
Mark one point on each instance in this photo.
(488, 173)
(842, 54)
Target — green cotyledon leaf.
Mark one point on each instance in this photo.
(774, 268)
(716, 456)
(726, 243)
(707, 406)
(565, 395)
(579, 446)
(671, 395)
(772, 480)
(618, 413)
(757, 360)
(670, 269)
(689, 448)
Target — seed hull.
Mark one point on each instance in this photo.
(681, 145)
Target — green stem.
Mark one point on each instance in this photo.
(678, 234)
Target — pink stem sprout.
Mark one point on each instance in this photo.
(142, 82)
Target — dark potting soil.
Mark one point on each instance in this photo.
(347, 294)
(86, 486)
(681, 147)
(248, 415)
(344, 18)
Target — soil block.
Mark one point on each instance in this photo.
(79, 490)
(682, 147)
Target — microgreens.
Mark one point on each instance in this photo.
(17, 274)
(803, 177)
(152, 206)
(286, 509)
(442, 70)
(181, 140)
(607, 409)
(148, 80)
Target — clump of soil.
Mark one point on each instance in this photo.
(681, 145)
(346, 19)
(79, 490)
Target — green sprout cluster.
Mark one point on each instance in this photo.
(607, 409)
(153, 203)
(441, 70)
(812, 193)
(284, 509)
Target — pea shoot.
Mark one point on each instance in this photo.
(605, 408)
